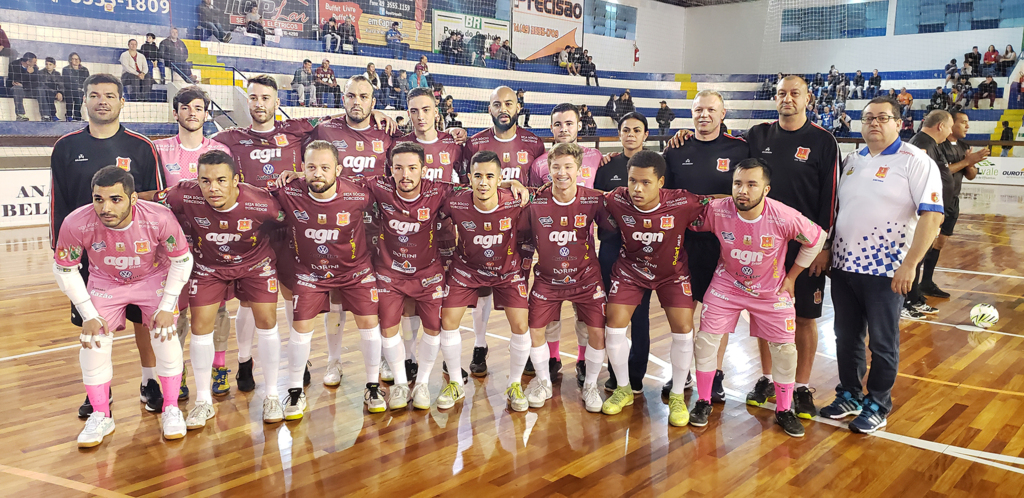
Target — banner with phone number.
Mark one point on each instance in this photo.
(155, 12)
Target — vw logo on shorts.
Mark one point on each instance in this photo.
(563, 252)
(747, 270)
(648, 249)
(224, 249)
(403, 239)
(321, 249)
(488, 253)
(125, 274)
(268, 168)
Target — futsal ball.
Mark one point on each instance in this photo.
(984, 315)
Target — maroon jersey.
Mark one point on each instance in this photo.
(487, 241)
(361, 152)
(652, 241)
(263, 155)
(443, 156)
(516, 154)
(328, 236)
(564, 237)
(231, 238)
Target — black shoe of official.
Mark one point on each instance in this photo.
(246, 383)
(803, 403)
(411, 368)
(465, 375)
(154, 397)
(554, 365)
(529, 370)
(305, 375)
(700, 413)
(667, 388)
(479, 364)
(581, 373)
(717, 390)
(86, 409)
(789, 423)
(930, 289)
(763, 392)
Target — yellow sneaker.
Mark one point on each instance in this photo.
(621, 397)
(678, 415)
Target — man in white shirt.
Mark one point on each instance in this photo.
(890, 208)
(135, 72)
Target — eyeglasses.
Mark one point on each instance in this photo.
(884, 118)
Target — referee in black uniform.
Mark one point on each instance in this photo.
(77, 156)
(935, 129)
(703, 166)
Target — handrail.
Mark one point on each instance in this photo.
(243, 78)
(213, 102)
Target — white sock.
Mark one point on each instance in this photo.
(799, 385)
(334, 321)
(298, 354)
(394, 352)
(451, 347)
(769, 377)
(270, 357)
(540, 355)
(369, 342)
(681, 356)
(201, 353)
(289, 314)
(429, 346)
(519, 352)
(410, 327)
(245, 329)
(481, 315)
(148, 373)
(594, 361)
(617, 349)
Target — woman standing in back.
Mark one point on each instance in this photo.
(74, 75)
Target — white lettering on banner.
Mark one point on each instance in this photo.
(544, 27)
(447, 22)
(24, 197)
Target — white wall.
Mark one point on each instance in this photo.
(724, 39)
(658, 27)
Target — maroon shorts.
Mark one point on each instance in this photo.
(462, 288)
(358, 294)
(426, 287)
(256, 284)
(629, 290)
(447, 250)
(546, 303)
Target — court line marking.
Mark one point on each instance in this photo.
(982, 273)
(62, 482)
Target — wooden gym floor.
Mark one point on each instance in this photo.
(957, 428)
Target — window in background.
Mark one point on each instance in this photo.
(609, 19)
(937, 16)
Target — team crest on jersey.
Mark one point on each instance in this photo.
(487, 226)
(244, 225)
(686, 289)
(193, 167)
(124, 163)
(272, 284)
(99, 246)
(344, 218)
(223, 224)
(469, 225)
(301, 215)
(119, 246)
(523, 157)
(564, 221)
(817, 296)
(628, 220)
(585, 172)
(767, 242)
(546, 221)
(790, 324)
(728, 237)
(723, 164)
(445, 157)
(802, 153)
(935, 197)
(430, 159)
(647, 223)
(668, 222)
(747, 240)
(280, 140)
(141, 246)
(360, 146)
(506, 157)
(882, 171)
(321, 218)
(522, 290)
(505, 224)
(849, 171)
(580, 221)
(378, 146)
(423, 214)
(373, 295)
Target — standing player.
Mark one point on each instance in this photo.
(138, 255)
(559, 223)
(755, 231)
(76, 157)
(516, 149)
(703, 166)
(230, 223)
(653, 224)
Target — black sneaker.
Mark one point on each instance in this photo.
(764, 391)
(154, 398)
(465, 375)
(529, 368)
(581, 373)
(411, 368)
(611, 383)
(554, 365)
(305, 375)
(790, 423)
(666, 389)
(930, 289)
(244, 377)
(699, 414)
(86, 409)
(803, 403)
(717, 390)
(479, 363)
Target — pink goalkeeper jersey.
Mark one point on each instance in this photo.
(181, 163)
(127, 255)
(539, 174)
(754, 252)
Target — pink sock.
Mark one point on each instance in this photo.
(99, 397)
(553, 350)
(170, 387)
(582, 356)
(783, 396)
(704, 381)
(218, 359)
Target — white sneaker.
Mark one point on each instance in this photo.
(421, 397)
(386, 375)
(97, 427)
(449, 395)
(516, 400)
(399, 397)
(332, 377)
(174, 423)
(538, 392)
(374, 398)
(295, 404)
(592, 398)
(273, 412)
(197, 418)
(925, 309)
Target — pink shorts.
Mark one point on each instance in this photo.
(111, 298)
(772, 317)
(546, 303)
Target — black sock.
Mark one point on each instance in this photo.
(930, 260)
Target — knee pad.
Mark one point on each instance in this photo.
(553, 331)
(705, 350)
(582, 333)
(783, 362)
(97, 368)
(168, 357)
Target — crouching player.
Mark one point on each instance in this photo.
(754, 232)
(137, 255)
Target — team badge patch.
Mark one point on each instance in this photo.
(423, 214)
(668, 222)
(119, 246)
(935, 197)
(244, 225)
(628, 220)
(585, 172)
(487, 226)
(580, 221)
(728, 237)
(272, 284)
(790, 325)
(223, 224)
(747, 240)
(882, 171)
(344, 218)
(373, 295)
(360, 145)
(445, 157)
(767, 242)
(723, 164)
(546, 221)
(686, 289)
(522, 290)
(817, 296)
(469, 225)
(506, 157)
(124, 163)
(564, 221)
(99, 246)
(321, 218)
(280, 140)
(378, 146)
(430, 159)
(802, 153)
(523, 157)
(301, 215)
(505, 224)
(647, 223)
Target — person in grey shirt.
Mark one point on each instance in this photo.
(302, 83)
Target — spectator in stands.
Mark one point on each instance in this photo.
(438, 93)
(347, 31)
(22, 78)
(611, 109)
(986, 90)
(174, 54)
(812, 115)
(208, 20)
(828, 120)
(5, 44)
(564, 60)
(664, 119)
(494, 47)
(303, 84)
(402, 87)
(448, 114)
(254, 24)
(842, 125)
(524, 112)
(418, 79)
(448, 48)
(51, 89)
(326, 83)
(967, 70)
(857, 85)
(973, 57)
(874, 84)
(1007, 61)
(963, 91)
(951, 73)
(834, 80)
(331, 36)
(626, 103)
(842, 93)
(389, 87)
(394, 38)
(766, 90)
(371, 74)
(589, 70)
(74, 76)
(506, 54)
(589, 125)
(907, 128)
(152, 53)
(939, 100)
(1006, 136)
(135, 72)
(988, 64)
(906, 100)
(817, 84)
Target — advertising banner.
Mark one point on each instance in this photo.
(470, 26)
(1000, 171)
(155, 12)
(373, 19)
(542, 28)
(296, 18)
(24, 197)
